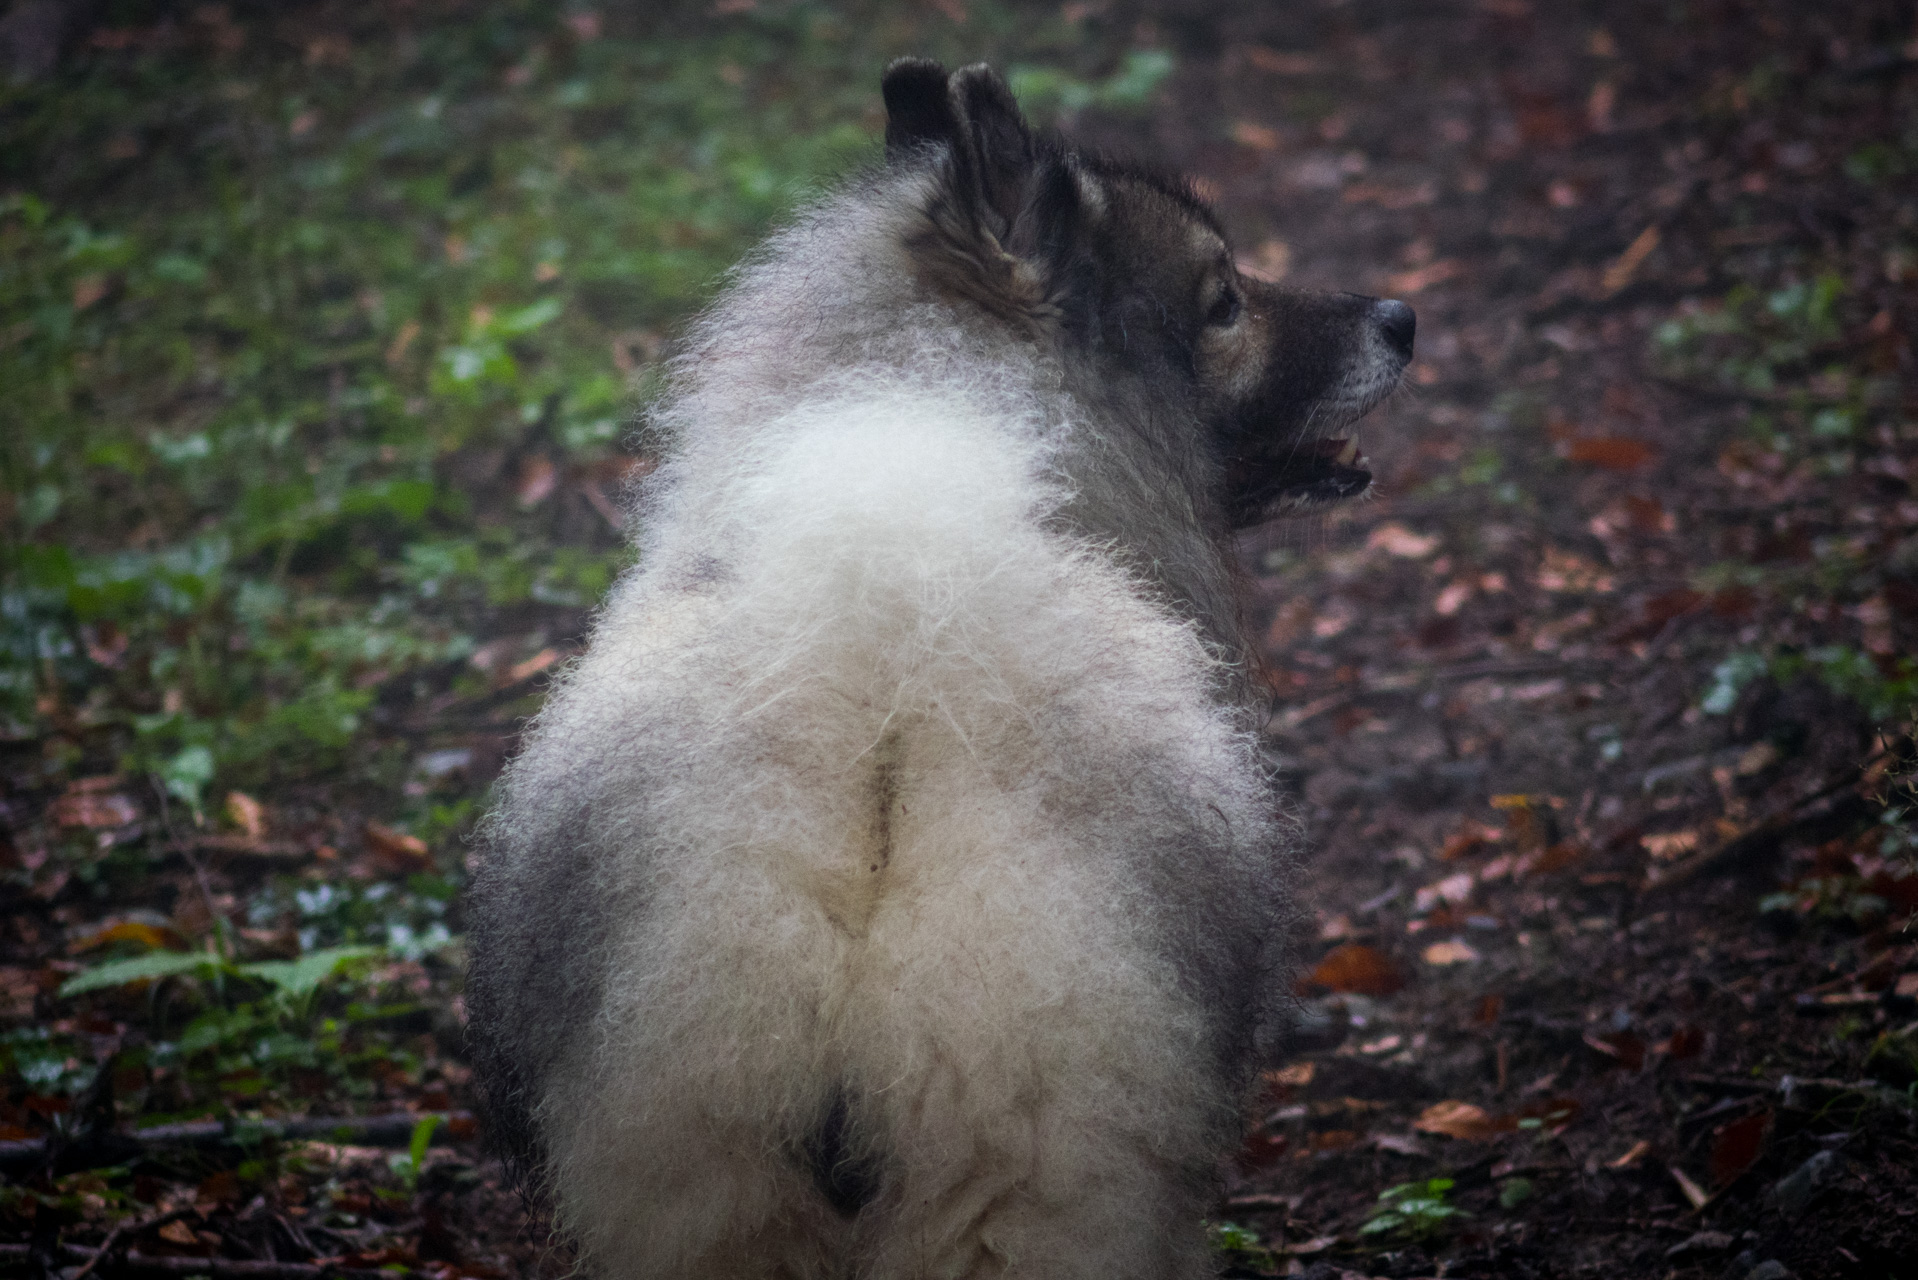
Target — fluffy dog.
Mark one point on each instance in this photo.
(895, 888)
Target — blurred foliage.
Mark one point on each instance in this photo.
(288, 318)
(325, 334)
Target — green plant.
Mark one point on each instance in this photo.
(1413, 1209)
(410, 1164)
(1238, 1244)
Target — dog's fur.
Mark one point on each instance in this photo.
(895, 888)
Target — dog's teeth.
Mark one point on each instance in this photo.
(1348, 453)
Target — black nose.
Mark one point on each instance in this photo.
(1397, 323)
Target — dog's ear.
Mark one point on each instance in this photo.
(974, 116)
(1001, 221)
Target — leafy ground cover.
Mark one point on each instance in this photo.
(323, 329)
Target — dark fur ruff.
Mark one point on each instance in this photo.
(895, 889)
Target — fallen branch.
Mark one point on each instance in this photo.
(218, 1268)
(394, 1130)
(1825, 805)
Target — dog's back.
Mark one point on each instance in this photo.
(893, 889)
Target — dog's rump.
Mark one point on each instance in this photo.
(906, 860)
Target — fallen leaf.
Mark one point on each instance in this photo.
(1636, 1152)
(1455, 1119)
(1334, 1139)
(1396, 540)
(1490, 1009)
(1257, 136)
(1317, 1244)
(177, 1232)
(537, 476)
(1668, 845)
(1694, 1193)
(1453, 952)
(154, 937)
(89, 803)
(1425, 277)
(1468, 839)
(246, 813)
(1358, 970)
(396, 849)
(1620, 272)
(1564, 571)
(532, 666)
(1453, 889)
(1738, 1145)
(1684, 1042)
(1619, 453)
(1296, 1076)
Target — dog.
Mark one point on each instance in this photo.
(895, 887)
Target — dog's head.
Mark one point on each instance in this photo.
(1126, 263)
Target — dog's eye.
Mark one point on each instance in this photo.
(1225, 310)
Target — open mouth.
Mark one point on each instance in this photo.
(1319, 473)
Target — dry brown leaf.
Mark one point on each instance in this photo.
(537, 476)
(1422, 278)
(1454, 952)
(89, 802)
(1296, 1076)
(1257, 136)
(396, 849)
(1636, 1152)
(1395, 539)
(246, 813)
(1359, 970)
(156, 937)
(1620, 273)
(1455, 1119)
(1619, 453)
(1667, 845)
(1737, 1146)
(532, 666)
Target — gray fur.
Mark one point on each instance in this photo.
(895, 889)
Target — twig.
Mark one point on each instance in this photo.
(125, 1228)
(218, 1268)
(1761, 836)
(394, 1130)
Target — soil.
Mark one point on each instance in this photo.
(1607, 930)
(1489, 694)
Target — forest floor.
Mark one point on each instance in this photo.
(322, 325)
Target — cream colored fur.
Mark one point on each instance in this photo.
(885, 781)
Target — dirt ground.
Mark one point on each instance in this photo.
(1543, 876)
(1597, 712)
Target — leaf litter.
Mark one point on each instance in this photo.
(1599, 713)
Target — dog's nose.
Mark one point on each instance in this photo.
(1397, 323)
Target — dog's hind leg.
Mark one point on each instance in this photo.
(687, 1148)
(1033, 1073)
